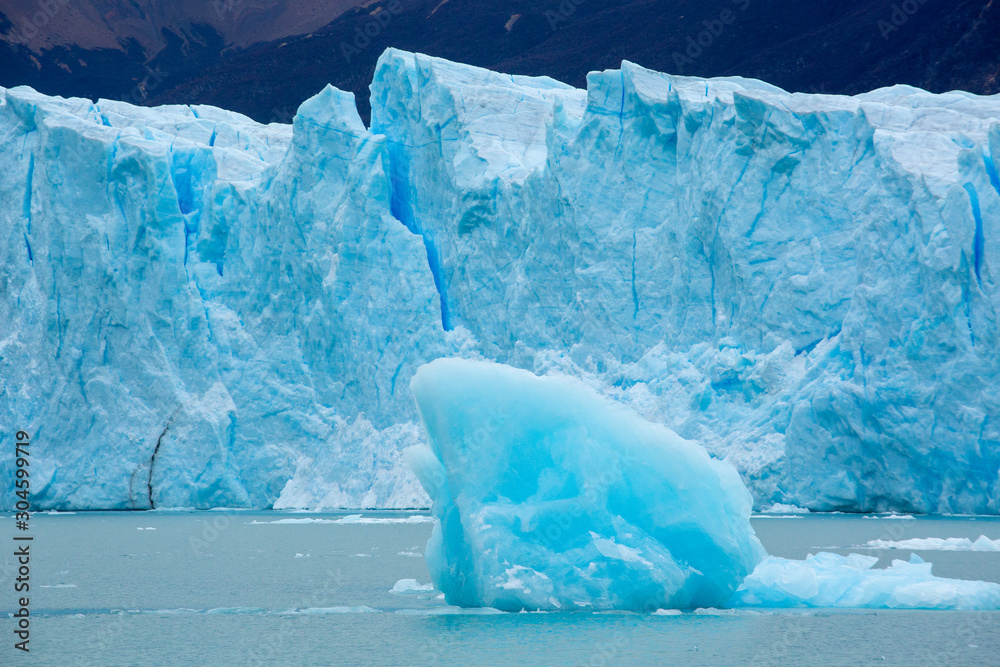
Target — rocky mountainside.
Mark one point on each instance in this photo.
(264, 57)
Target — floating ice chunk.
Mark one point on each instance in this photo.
(983, 543)
(550, 496)
(780, 508)
(406, 586)
(449, 611)
(323, 611)
(255, 611)
(832, 580)
(351, 519)
(357, 518)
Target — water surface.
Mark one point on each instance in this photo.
(236, 588)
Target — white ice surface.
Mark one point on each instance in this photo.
(982, 543)
(832, 580)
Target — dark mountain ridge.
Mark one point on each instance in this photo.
(827, 46)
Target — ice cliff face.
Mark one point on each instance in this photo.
(199, 307)
(205, 311)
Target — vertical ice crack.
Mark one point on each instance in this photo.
(621, 117)
(978, 241)
(156, 451)
(152, 462)
(635, 294)
(26, 205)
(401, 208)
(991, 170)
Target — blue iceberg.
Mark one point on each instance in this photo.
(550, 496)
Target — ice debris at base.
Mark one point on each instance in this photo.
(982, 543)
(352, 519)
(832, 580)
(779, 508)
(254, 611)
(550, 496)
(214, 312)
(410, 586)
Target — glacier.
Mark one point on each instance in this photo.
(549, 496)
(204, 311)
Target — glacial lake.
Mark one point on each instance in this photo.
(286, 588)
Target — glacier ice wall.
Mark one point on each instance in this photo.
(206, 311)
(800, 282)
(201, 308)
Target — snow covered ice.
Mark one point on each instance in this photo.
(832, 580)
(982, 543)
(550, 496)
(203, 311)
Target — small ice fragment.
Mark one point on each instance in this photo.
(832, 580)
(408, 586)
(982, 543)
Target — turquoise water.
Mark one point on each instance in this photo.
(234, 588)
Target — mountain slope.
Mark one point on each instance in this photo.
(842, 46)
